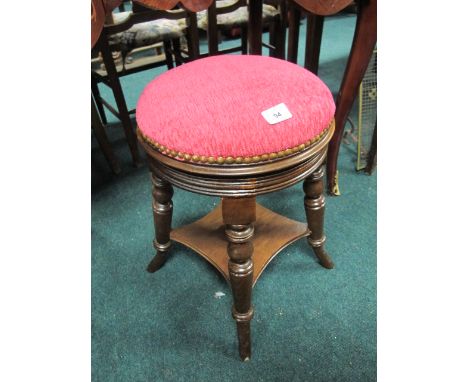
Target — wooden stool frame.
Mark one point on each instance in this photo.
(239, 237)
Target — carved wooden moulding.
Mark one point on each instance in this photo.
(238, 180)
(230, 160)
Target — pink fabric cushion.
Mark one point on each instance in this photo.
(213, 106)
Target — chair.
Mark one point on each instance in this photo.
(365, 37)
(225, 15)
(130, 30)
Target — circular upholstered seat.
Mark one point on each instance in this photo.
(204, 129)
(210, 110)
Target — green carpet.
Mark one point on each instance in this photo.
(310, 324)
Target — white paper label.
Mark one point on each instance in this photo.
(278, 113)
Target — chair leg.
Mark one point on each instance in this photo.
(294, 20)
(279, 37)
(168, 54)
(177, 53)
(97, 98)
(193, 39)
(313, 42)
(238, 217)
(254, 27)
(314, 202)
(365, 37)
(244, 42)
(162, 214)
(212, 31)
(272, 34)
(116, 87)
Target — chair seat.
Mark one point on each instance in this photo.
(236, 18)
(209, 110)
(147, 33)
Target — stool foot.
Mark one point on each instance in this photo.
(314, 203)
(158, 261)
(243, 336)
(324, 259)
(162, 214)
(239, 216)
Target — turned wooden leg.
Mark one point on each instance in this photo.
(238, 217)
(314, 203)
(162, 214)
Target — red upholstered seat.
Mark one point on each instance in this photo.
(211, 109)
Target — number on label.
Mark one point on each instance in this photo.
(277, 114)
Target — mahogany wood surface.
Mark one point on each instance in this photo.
(277, 38)
(97, 20)
(294, 19)
(365, 38)
(324, 7)
(231, 171)
(162, 215)
(313, 42)
(212, 30)
(240, 237)
(255, 26)
(238, 218)
(314, 203)
(206, 237)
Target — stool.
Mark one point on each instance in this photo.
(202, 129)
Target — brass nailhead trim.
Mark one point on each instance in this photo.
(230, 160)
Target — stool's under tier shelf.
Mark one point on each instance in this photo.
(273, 232)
